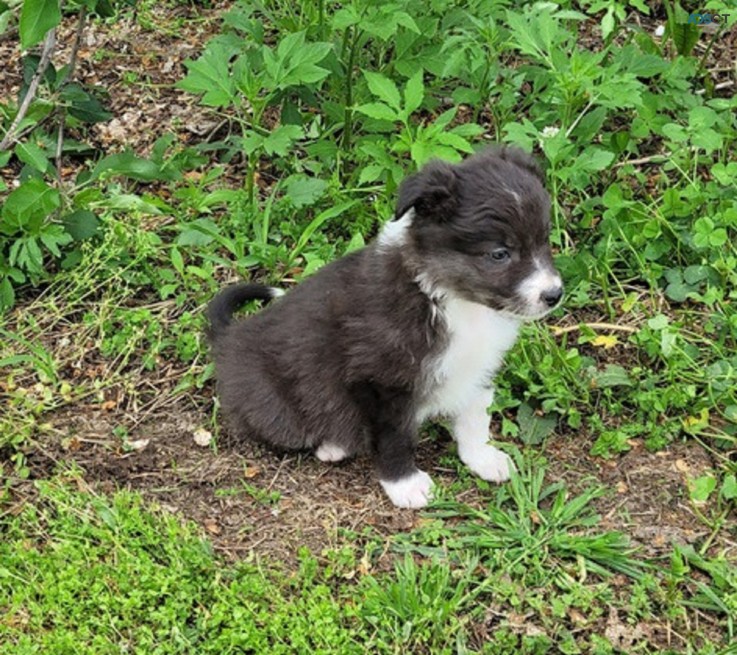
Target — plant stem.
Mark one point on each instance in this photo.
(70, 74)
(348, 111)
(48, 50)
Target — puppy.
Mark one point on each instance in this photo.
(412, 326)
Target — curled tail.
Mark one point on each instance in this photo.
(221, 308)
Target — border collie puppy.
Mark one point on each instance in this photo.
(412, 326)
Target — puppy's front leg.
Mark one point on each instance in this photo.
(471, 431)
(394, 451)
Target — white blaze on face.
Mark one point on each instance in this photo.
(542, 279)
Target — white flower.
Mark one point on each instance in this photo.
(550, 131)
(660, 30)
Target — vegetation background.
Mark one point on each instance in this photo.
(153, 152)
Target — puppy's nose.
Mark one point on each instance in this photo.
(552, 296)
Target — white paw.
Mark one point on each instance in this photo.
(330, 452)
(413, 491)
(487, 462)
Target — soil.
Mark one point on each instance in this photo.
(253, 501)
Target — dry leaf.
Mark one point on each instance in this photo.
(212, 527)
(138, 444)
(681, 465)
(251, 472)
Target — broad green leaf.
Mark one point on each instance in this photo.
(613, 375)
(303, 191)
(384, 88)
(370, 173)
(593, 160)
(209, 75)
(701, 488)
(281, 139)
(83, 105)
(454, 141)
(685, 36)
(129, 165)
(313, 53)
(29, 153)
(414, 93)
(304, 74)
(32, 201)
(379, 111)
(289, 45)
(7, 294)
(405, 20)
(54, 236)
(729, 487)
(177, 260)
(37, 17)
(533, 428)
(81, 224)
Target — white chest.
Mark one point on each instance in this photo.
(478, 338)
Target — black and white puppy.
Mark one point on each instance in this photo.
(412, 326)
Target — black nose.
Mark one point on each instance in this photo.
(552, 296)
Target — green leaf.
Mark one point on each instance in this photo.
(209, 75)
(129, 165)
(81, 224)
(613, 375)
(370, 173)
(281, 139)
(414, 93)
(54, 236)
(379, 111)
(685, 36)
(607, 23)
(701, 488)
(30, 202)
(303, 191)
(729, 487)
(304, 74)
(177, 260)
(29, 153)
(593, 160)
(83, 105)
(7, 294)
(533, 428)
(37, 17)
(384, 89)
(318, 221)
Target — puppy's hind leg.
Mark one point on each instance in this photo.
(471, 431)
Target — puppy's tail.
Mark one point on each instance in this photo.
(221, 308)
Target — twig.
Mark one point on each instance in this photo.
(557, 331)
(70, 74)
(643, 160)
(717, 87)
(48, 50)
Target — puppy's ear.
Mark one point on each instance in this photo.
(522, 159)
(431, 192)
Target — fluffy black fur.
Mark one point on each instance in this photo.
(341, 359)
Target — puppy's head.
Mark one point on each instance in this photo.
(481, 229)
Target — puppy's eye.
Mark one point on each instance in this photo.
(499, 254)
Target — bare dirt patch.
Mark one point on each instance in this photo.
(251, 501)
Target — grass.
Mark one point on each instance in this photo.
(317, 112)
